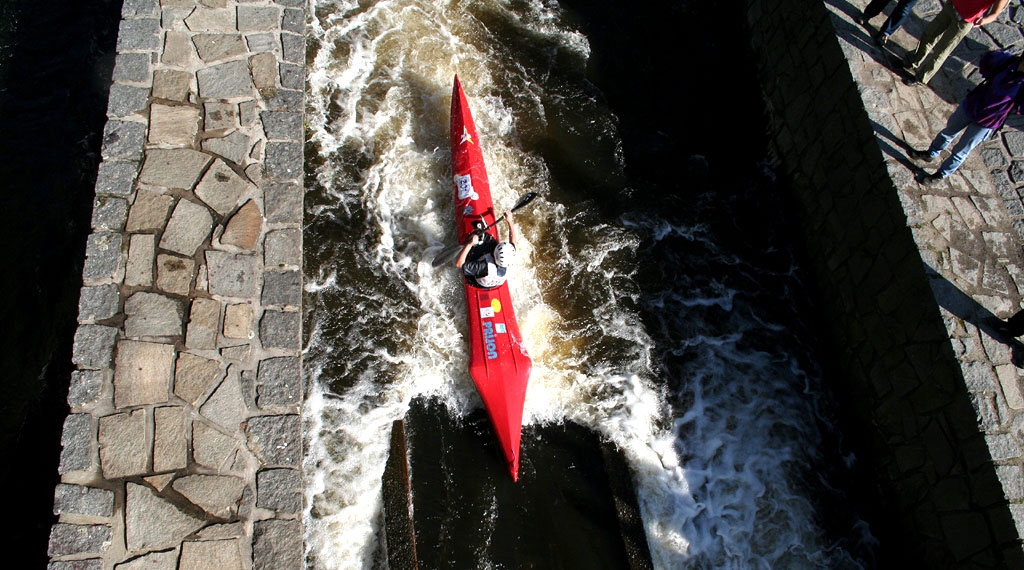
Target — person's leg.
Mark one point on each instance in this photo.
(956, 32)
(930, 36)
(974, 135)
(957, 122)
(897, 17)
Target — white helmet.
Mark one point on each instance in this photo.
(504, 254)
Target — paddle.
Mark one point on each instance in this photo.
(449, 253)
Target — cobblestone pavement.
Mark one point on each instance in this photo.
(969, 227)
(183, 445)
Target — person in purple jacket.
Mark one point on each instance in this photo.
(980, 114)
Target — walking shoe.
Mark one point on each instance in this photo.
(880, 40)
(925, 179)
(862, 20)
(911, 80)
(920, 155)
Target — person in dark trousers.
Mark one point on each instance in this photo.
(485, 261)
(892, 23)
(982, 112)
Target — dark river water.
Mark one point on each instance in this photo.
(660, 288)
(56, 58)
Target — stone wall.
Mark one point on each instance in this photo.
(183, 445)
(904, 380)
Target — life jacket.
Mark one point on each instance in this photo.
(495, 275)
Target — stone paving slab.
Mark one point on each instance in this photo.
(183, 446)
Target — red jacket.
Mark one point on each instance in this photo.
(971, 10)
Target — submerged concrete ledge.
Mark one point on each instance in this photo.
(183, 445)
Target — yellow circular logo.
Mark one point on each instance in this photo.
(496, 305)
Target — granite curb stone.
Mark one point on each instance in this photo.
(81, 500)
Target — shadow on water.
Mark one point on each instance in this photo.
(559, 515)
(694, 140)
(56, 60)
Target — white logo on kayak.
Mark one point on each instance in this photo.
(490, 346)
(499, 328)
(466, 137)
(486, 313)
(464, 186)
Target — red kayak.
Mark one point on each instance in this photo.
(498, 361)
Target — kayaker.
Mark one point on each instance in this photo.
(485, 261)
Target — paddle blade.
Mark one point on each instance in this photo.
(447, 255)
(526, 199)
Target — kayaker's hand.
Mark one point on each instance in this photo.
(513, 231)
(474, 238)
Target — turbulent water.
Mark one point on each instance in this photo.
(657, 290)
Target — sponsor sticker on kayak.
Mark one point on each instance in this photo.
(464, 186)
(493, 309)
